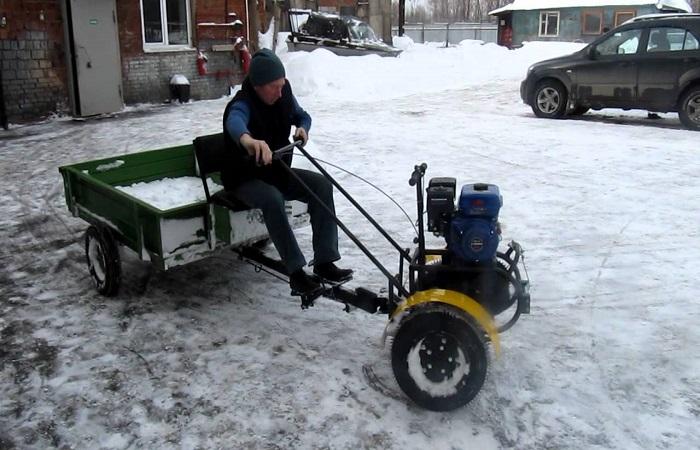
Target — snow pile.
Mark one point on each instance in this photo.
(113, 165)
(169, 193)
(420, 68)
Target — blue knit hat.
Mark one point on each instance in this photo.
(265, 67)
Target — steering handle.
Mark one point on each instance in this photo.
(418, 172)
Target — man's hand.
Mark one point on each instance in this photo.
(257, 149)
(301, 135)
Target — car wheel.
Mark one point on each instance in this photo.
(579, 110)
(549, 100)
(689, 111)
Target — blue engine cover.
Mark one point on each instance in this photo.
(473, 234)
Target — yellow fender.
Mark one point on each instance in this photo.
(459, 301)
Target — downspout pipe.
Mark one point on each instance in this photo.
(3, 112)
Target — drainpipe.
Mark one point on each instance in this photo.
(3, 114)
(247, 22)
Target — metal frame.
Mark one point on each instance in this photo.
(418, 269)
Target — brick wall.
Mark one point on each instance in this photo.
(146, 76)
(149, 74)
(33, 59)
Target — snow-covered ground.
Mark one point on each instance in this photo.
(214, 355)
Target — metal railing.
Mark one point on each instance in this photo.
(449, 33)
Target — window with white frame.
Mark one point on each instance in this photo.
(549, 23)
(166, 24)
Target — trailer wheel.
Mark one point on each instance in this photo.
(439, 358)
(104, 263)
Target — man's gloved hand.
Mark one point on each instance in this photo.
(301, 135)
(259, 150)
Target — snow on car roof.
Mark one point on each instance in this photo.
(520, 5)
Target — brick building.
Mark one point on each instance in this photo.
(46, 67)
(89, 57)
(33, 71)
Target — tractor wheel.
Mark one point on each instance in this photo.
(549, 99)
(689, 111)
(439, 357)
(104, 263)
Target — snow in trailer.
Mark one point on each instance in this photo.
(213, 354)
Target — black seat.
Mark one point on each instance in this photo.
(210, 153)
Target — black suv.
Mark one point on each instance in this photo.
(650, 62)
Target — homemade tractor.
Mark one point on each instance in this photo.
(444, 305)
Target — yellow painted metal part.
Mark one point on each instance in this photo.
(459, 301)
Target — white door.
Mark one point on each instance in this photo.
(95, 49)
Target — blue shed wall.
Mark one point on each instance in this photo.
(526, 23)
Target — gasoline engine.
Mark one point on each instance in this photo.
(472, 264)
(472, 230)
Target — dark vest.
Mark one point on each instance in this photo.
(270, 123)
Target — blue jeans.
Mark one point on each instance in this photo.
(270, 199)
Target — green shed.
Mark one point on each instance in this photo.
(572, 20)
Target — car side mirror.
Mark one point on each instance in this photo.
(590, 52)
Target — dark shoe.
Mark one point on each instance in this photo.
(330, 272)
(302, 283)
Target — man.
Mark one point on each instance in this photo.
(257, 121)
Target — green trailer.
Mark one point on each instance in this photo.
(100, 192)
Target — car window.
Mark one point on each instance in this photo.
(362, 31)
(690, 43)
(622, 42)
(666, 40)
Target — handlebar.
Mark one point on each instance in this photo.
(277, 154)
(418, 172)
(287, 148)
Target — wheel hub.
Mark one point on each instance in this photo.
(439, 355)
(548, 100)
(694, 109)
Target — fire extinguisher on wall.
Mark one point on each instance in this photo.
(243, 53)
(245, 59)
(201, 63)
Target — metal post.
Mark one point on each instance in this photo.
(402, 16)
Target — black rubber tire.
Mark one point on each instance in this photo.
(579, 110)
(689, 109)
(549, 99)
(103, 260)
(457, 333)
